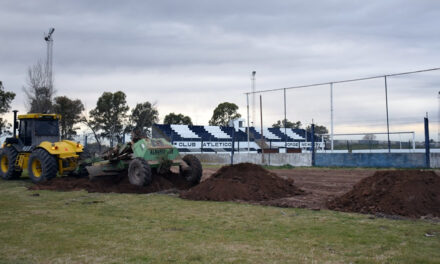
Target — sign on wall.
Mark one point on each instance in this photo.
(207, 144)
(242, 144)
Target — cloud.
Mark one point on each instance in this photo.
(189, 56)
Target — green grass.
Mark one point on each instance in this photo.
(81, 227)
(215, 166)
(284, 167)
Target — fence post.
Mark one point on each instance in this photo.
(233, 143)
(427, 150)
(201, 145)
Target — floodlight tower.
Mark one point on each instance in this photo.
(253, 97)
(49, 41)
(438, 118)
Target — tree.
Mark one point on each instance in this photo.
(142, 117)
(369, 137)
(39, 90)
(318, 129)
(224, 113)
(5, 104)
(70, 111)
(109, 116)
(94, 128)
(177, 119)
(286, 123)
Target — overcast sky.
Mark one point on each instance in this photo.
(189, 56)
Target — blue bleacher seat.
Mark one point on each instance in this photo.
(205, 135)
(238, 135)
(280, 134)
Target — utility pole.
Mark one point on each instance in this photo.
(388, 120)
(331, 116)
(262, 136)
(253, 97)
(285, 121)
(438, 118)
(247, 130)
(49, 41)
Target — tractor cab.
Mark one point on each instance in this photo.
(36, 128)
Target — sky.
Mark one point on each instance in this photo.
(189, 56)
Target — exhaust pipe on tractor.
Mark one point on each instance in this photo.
(15, 127)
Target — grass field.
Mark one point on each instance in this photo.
(80, 227)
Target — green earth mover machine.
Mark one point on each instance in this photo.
(141, 158)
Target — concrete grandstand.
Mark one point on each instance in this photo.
(191, 138)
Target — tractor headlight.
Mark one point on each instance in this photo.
(54, 147)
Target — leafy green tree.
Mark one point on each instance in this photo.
(177, 119)
(5, 104)
(142, 117)
(320, 130)
(70, 111)
(286, 123)
(109, 116)
(224, 113)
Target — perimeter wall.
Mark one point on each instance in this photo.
(375, 160)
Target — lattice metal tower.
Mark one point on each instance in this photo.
(49, 41)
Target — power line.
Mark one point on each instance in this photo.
(344, 81)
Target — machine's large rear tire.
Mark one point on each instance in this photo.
(195, 173)
(7, 164)
(139, 172)
(42, 166)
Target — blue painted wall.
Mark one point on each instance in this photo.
(382, 160)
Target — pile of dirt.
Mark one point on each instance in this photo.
(245, 182)
(411, 193)
(114, 184)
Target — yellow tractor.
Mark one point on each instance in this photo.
(38, 149)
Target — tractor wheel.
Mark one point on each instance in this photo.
(7, 164)
(195, 173)
(42, 166)
(139, 172)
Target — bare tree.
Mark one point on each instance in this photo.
(94, 127)
(39, 89)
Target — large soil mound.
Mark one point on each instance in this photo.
(244, 181)
(116, 184)
(411, 193)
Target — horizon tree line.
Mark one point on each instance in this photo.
(111, 118)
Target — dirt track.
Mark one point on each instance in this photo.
(320, 185)
(313, 188)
